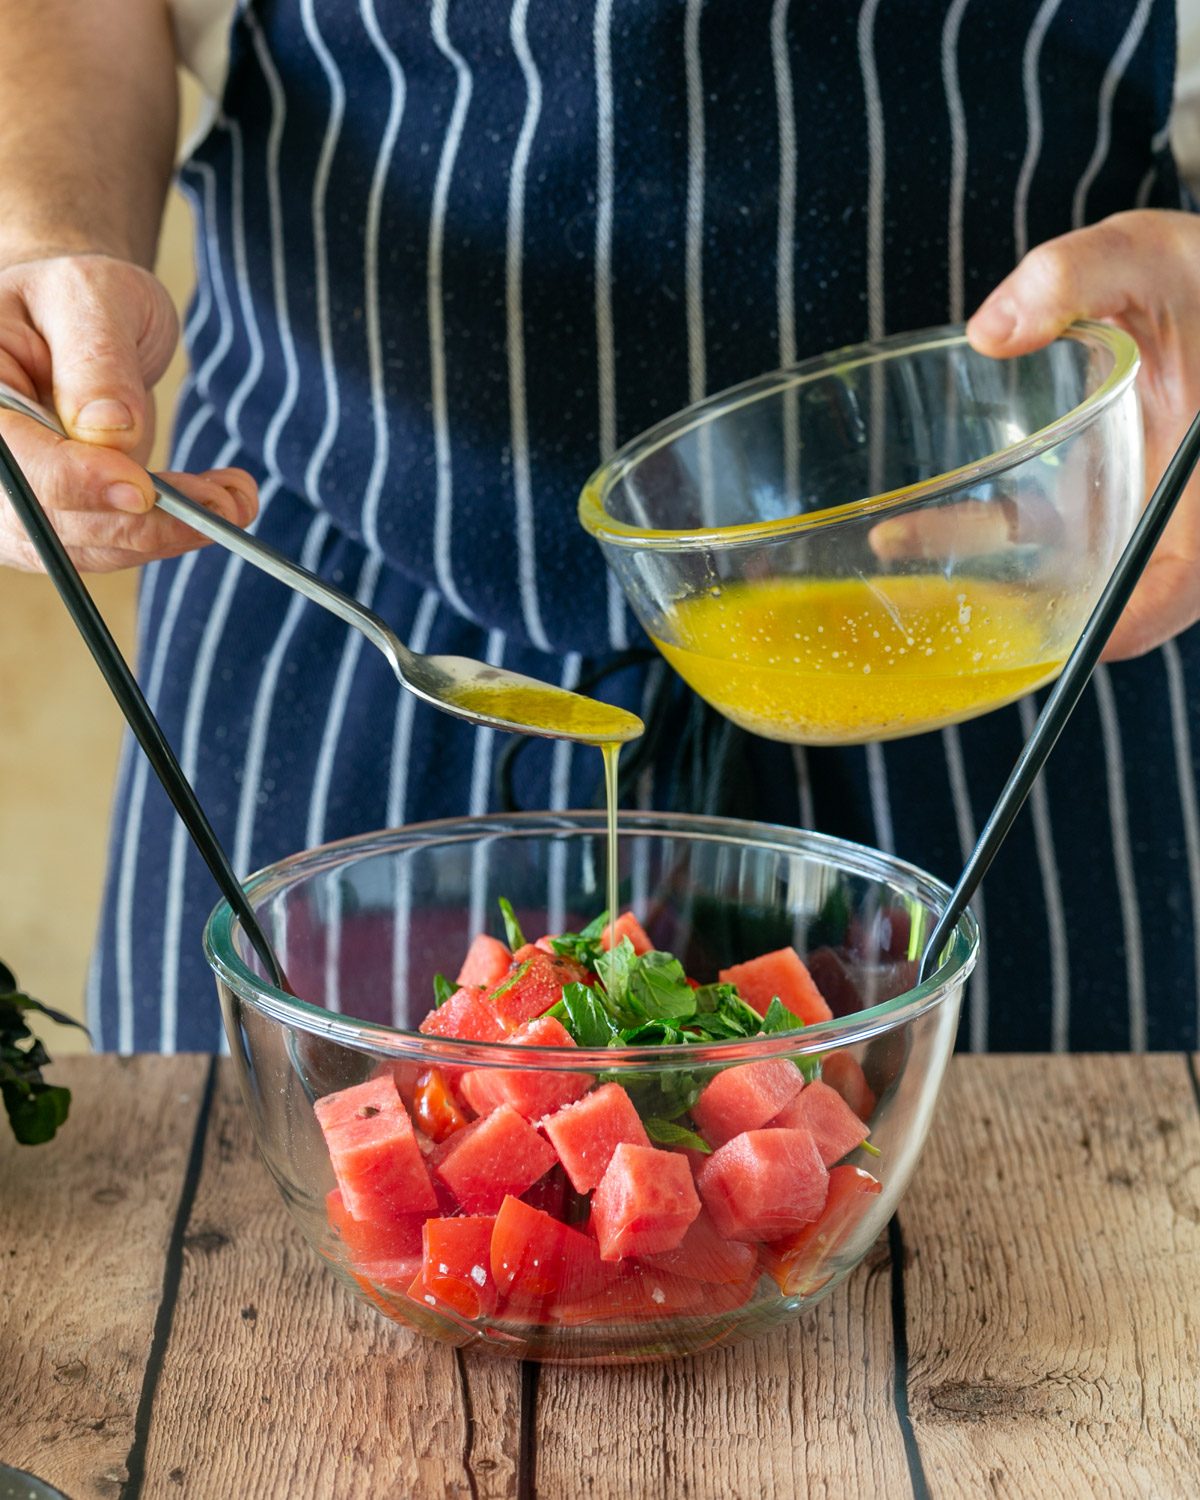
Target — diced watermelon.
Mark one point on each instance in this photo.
(537, 1261)
(705, 1255)
(764, 1184)
(799, 1263)
(586, 1134)
(644, 1204)
(457, 1267)
(373, 1239)
(534, 983)
(552, 1194)
(394, 1275)
(840, 1070)
(374, 1151)
(434, 1107)
(466, 1016)
(745, 1097)
(485, 965)
(626, 926)
(500, 1154)
(782, 973)
(640, 1294)
(823, 1112)
(532, 1092)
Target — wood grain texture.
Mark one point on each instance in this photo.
(277, 1382)
(1054, 1285)
(807, 1411)
(84, 1227)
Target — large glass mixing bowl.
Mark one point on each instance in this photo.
(882, 540)
(362, 927)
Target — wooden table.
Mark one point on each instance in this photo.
(1029, 1327)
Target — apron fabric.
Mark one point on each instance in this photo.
(450, 256)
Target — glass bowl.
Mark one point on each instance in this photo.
(362, 927)
(882, 540)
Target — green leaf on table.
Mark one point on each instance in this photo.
(512, 928)
(442, 990)
(669, 1133)
(34, 1107)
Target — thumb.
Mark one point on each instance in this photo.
(110, 329)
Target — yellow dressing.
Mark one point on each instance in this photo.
(538, 707)
(841, 661)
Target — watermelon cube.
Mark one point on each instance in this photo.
(704, 1255)
(532, 1092)
(626, 926)
(780, 974)
(486, 963)
(841, 1071)
(534, 983)
(498, 1155)
(466, 1016)
(827, 1117)
(391, 1238)
(374, 1151)
(537, 1261)
(764, 1184)
(799, 1263)
(586, 1134)
(745, 1097)
(645, 1202)
(456, 1264)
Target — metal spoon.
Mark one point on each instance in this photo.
(1067, 690)
(470, 690)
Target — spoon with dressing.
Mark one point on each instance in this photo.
(472, 690)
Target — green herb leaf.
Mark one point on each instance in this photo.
(442, 990)
(582, 1012)
(584, 947)
(518, 973)
(614, 969)
(516, 938)
(594, 930)
(34, 1107)
(871, 1150)
(654, 1033)
(668, 1133)
(658, 987)
(779, 1018)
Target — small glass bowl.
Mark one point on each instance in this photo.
(363, 926)
(881, 540)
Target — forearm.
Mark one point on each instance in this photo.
(88, 118)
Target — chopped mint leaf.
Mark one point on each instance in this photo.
(658, 987)
(656, 1033)
(594, 930)
(668, 1133)
(581, 1010)
(518, 973)
(779, 1018)
(516, 938)
(614, 969)
(442, 990)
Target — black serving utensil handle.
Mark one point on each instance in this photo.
(137, 711)
(1066, 692)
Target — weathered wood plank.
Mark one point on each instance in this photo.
(1054, 1286)
(807, 1411)
(84, 1227)
(277, 1382)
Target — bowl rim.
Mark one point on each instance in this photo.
(606, 529)
(230, 969)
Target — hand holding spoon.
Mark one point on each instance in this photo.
(471, 690)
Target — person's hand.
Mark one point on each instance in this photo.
(1141, 271)
(88, 336)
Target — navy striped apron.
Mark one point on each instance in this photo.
(450, 255)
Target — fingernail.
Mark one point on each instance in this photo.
(126, 497)
(105, 416)
(998, 319)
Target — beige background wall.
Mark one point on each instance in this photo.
(59, 736)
